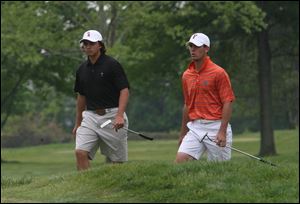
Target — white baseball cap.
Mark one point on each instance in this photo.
(199, 39)
(92, 35)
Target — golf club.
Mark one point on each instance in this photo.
(139, 134)
(245, 153)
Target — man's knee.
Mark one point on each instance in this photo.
(81, 154)
(183, 157)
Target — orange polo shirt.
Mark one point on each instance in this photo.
(206, 91)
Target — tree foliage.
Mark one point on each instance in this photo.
(40, 54)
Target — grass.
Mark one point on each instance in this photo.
(47, 174)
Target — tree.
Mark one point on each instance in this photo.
(40, 50)
(265, 84)
(277, 15)
(155, 36)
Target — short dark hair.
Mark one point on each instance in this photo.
(102, 49)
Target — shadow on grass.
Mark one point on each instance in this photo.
(9, 162)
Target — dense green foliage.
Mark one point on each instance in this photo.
(40, 54)
(47, 174)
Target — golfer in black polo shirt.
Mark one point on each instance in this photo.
(103, 92)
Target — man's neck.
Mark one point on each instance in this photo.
(94, 58)
(198, 64)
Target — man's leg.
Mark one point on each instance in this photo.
(183, 157)
(113, 145)
(87, 143)
(82, 159)
(190, 149)
(215, 152)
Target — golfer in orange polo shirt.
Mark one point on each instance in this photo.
(208, 98)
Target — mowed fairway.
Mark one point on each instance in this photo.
(48, 173)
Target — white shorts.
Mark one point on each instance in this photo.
(90, 136)
(192, 145)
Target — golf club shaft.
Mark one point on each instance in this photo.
(144, 136)
(245, 153)
(254, 157)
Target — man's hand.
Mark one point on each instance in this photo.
(221, 139)
(74, 131)
(119, 122)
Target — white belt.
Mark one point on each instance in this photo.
(204, 121)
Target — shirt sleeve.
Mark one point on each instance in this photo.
(78, 87)
(224, 86)
(120, 78)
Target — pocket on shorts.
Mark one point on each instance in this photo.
(83, 114)
(88, 120)
(77, 130)
(126, 123)
(229, 134)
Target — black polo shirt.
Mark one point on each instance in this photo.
(101, 82)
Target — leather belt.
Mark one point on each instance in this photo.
(100, 111)
(103, 111)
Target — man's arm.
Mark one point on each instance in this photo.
(226, 115)
(184, 128)
(123, 100)
(80, 107)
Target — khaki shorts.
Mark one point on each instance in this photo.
(90, 136)
(192, 146)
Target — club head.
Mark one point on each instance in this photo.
(105, 123)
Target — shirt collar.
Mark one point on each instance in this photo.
(203, 66)
(97, 62)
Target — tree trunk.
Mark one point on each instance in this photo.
(267, 146)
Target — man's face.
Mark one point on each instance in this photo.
(197, 53)
(90, 48)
